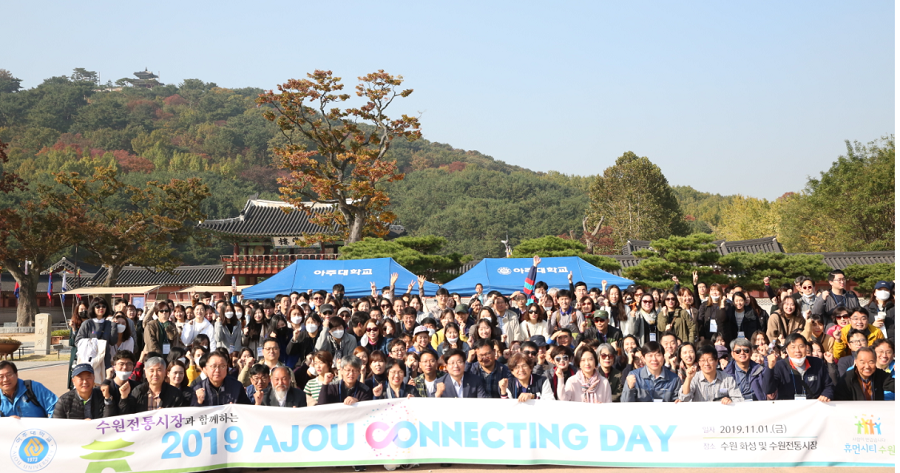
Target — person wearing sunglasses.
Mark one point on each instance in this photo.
(533, 323)
(561, 369)
(97, 327)
(606, 354)
(672, 318)
(753, 379)
(859, 320)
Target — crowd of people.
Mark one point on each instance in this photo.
(705, 342)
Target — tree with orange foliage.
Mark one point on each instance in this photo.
(348, 167)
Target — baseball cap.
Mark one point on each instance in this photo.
(461, 308)
(344, 309)
(883, 285)
(82, 368)
(538, 340)
(420, 329)
(326, 308)
(601, 314)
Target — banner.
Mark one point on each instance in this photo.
(475, 431)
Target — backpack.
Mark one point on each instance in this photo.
(32, 398)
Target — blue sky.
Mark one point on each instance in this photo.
(727, 97)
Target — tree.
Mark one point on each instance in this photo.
(416, 254)
(549, 246)
(746, 218)
(850, 207)
(867, 275)
(677, 256)
(30, 231)
(596, 241)
(348, 167)
(749, 269)
(80, 74)
(130, 225)
(633, 197)
(8, 82)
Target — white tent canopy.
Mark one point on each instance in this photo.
(212, 289)
(85, 291)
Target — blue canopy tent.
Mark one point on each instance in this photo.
(356, 275)
(507, 275)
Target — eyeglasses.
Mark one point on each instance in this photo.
(857, 342)
(806, 287)
(270, 348)
(670, 299)
(217, 367)
(165, 311)
(842, 316)
(646, 302)
(742, 350)
(328, 312)
(372, 329)
(385, 306)
(317, 298)
(101, 307)
(532, 312)
(521, 366)
(605, 355)
(529, 353)
(258, 379)
(858, 319)
(559, 359)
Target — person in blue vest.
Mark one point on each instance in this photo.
(23, 398)
(800, 376)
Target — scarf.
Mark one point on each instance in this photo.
(588, 386)
(650, 318)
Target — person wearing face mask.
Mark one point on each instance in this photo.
(305, 332)
(78, 318)
(335, 340)
(121, 372)
(199, 325)
(865, 382)
(124, 340)
(228, 328)
(881, 309)
(799, 376)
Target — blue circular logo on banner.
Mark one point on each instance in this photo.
(33, 450)
(504, 271)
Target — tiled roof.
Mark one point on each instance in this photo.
(65, 264)
(758, 245)
(625, 261)
(633, 245)
(267, 218)
(211, 275)
(844, 259)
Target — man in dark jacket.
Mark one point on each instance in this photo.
(217, 389)
(348, 390)
(865, 382)
(87, 401)
(753, 379)
(837, 296)
(153, 394)
(799, 376)
(457, 382)
(281, 393)
(487, 369)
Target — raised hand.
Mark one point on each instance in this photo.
(570, 277)
(439, 390)
(104, 388)
(536, 260)
(124, 389)
(772, 360)
(421, 280)
(631, 381)
(504, 384)
(377, 391)
(258, 397)
(201, 395)
(695, 277)
(110, 373)
(829, 356)
(411, 284)
(329, 377)
(394, 277)
(766, 280)
(675, 279)
(603, 284)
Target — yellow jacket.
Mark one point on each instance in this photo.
(842, 348)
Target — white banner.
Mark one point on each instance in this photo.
(478, 431)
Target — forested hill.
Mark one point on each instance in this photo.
(219, 134)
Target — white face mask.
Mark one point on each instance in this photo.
(714, 298)
(431, 332)
(197, 360)
(338, 334)
(452, 339)
(548, 308)
(311, 328)
(883, 295)
(296, 320)
(123, 375)
(229, 315)
(120, 328)
(798, 361)
(239, 314)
